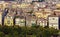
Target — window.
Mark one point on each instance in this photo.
(53, 18)
(8, 22)
(22, 21)
(33, 23)
(17, 21)
(41, 24)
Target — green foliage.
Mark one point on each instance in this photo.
(1, 34)
(34, 31)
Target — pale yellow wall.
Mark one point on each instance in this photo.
(6, 21)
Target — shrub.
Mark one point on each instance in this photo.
(1, 34)
(36, 31)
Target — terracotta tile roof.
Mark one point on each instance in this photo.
(53, 16)
(57, 13)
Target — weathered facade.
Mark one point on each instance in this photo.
(53, 21)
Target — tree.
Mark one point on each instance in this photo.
(53, 31)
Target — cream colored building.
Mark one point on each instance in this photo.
(20, 21)
(42, 22)
(53, 21)
(1, 17)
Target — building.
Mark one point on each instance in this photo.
(9, 19)
(53, 21)
(27, 7)
(47, 12)
(19, 21)
(14, 5)
(38, 0)
(33, 21)
(18, 1)
(19, 18)
(29, 20)
(6, 0)
(1, 12)
(24, 1)
(57, 12)
(1, 6)
(42, 22)
(27, 1)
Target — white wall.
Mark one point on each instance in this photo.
(54, 22)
